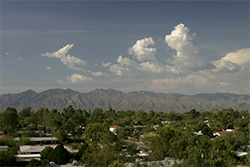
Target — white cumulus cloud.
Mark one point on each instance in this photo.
(239, 57)
(106, 64)
(119, 70)
(187, 56)
(141, 50)
(66, 59)
(234, 61)
(151, 67)
(98, 73)
(59, 81)
(124, 66)
(48, 68)
(76, 78)
(200, 78)
(225, 66)
(223, 83)
(19, 58)
(126, 62)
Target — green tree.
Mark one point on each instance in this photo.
(248, 157)
(26, 112)
(205, 130)
(45, 153)
(97, 116)
(7, 158)
(7, 140)
(123, 133)
(99, 133)
(161, 143)
(59, 155)
(102, 146)
(100, 155)
(33, 163)
(9, 119)
(140, 116)
(193, 114)
(82, 150)
(25, 117)
(24, 141)
(68, 112)
(173, 116)
(221, 154)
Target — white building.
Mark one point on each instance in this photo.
(27, 157)
(40, 139)
(28, 152)
(113, 128)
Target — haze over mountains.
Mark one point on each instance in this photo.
(109, 98)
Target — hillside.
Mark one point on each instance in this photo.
(106, 98)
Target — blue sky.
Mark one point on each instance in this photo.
(184, 47)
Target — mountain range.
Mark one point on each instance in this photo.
(109, 98)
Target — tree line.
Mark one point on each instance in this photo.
(100, 147)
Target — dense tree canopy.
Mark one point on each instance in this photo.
(163, 134)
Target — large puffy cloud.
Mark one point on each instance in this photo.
(125, 66)
(76, 78)
(230, 71)
(141, 50)
(234, 61)
(225, 66)
(239, 57)
(187, 56)
(68, 60)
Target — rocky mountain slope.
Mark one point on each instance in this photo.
(106, 98)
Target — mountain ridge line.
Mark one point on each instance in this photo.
(136, 100)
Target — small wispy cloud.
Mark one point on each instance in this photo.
(99, 73)
(77, 78)
(59, 81)
(66, 59)
(224, 83)
(12, 57)
(106, 64)
(68, 31)
(48, 68)
(19, 58)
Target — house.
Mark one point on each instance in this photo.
(166, 122)
(224, 132)
(39, 140)
(28, 152)
(241, 154)
(113, 128)
(1, 133)
(198, 133)
(4, 148)
(155, 127)
(27, 157)
(27, 149)
(142, 156)
(37, 132)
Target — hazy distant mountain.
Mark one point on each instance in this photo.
(106, 98)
